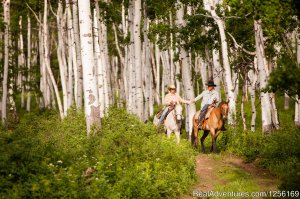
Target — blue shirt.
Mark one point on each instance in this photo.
(208, 97)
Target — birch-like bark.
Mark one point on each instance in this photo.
(22, 64)
(28, 63)
(78, 80)
(138, 57)
(286, 102)
(157, 63)
(211, 6)
(6, 6)
(147, 67)
(100, 75)
(252, 85)
(186, 73)
(47, 58)
(243, 103)
(91, 103)
(102, 35)
(61, 57)
(217, 70)
(266, 106)
(70, 55)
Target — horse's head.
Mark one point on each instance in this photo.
(178, 112)
(224, 109)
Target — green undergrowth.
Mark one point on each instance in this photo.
(43, 157)
(279, 152)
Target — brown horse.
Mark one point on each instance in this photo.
(212, 125)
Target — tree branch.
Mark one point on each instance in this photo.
(239, 46)
(37, 18)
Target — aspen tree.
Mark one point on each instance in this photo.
(91, 103)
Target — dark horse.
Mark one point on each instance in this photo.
(212, 125)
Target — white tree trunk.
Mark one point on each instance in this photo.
(47, 59)
(102, 35)
(69, 42)
(22, 64)
(78, 79)
(91, 103)
(61, 57)
(100, 75)
(186, 72)
(147, 69)
(211, 6)
(138, 58)
(157, 63)
(28, 63)
(6, 6)
(266, 106)
(217, 70)
(252, 85)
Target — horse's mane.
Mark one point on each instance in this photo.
(221, 103)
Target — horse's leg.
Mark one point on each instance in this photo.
(195, 134)
(177, 134)
(213, 140)
(169, 133)
(205, 133)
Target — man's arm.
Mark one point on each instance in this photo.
(198, 97)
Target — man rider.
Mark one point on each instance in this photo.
(210, 96)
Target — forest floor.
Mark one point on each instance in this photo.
(229, 173)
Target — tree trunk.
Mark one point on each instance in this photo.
(78, 80)
(22, 64)
(186, 73)
(102, 35)
(137, 57)
(147, 68)
(91, 103)
(6, 6)
(100, 75)
(28, 63)
(70, 55)
(61, 57)
(252, 85)
(47, 59)
(217, 70)
(227, 71)
(266, 106)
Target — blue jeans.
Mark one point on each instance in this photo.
(163, 115)
(203, 111)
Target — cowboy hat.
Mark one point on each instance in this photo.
(172, 86)
(210, 83)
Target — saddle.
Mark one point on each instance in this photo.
(201, 124)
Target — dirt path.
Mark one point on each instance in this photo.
(230, 173)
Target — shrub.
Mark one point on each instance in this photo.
(46, 158)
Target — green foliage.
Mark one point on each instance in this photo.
(285, 78)
(46, 158)
(279, 151)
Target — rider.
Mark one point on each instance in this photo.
(170, 101)
(210, 96)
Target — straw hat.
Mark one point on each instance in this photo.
(172, 86)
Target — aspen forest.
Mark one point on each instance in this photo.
(82, 81)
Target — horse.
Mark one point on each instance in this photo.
(173, 122)
(212, 125)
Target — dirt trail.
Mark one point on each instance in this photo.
(210, 169)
